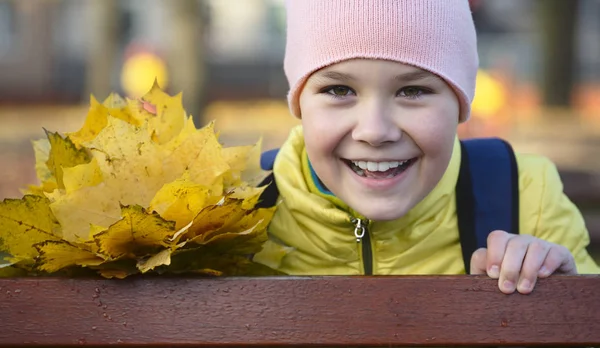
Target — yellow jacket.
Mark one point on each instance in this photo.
(313, 233)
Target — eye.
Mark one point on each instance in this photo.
(413, 92)
(338, 91)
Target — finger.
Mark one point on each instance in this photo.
(496, 245)
(537, 252)
(512, 263)
(479, 261)
(559, 260)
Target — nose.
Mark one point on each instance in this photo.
(376, 127)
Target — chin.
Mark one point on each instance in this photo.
(387, 214)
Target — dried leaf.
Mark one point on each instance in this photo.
(201, 260)
(136, 188)
(83, 175)
(95, 121)
(63, 154)
(271, 254)
(56, 255)
(137, 234)
(214, 219)
(130, 163)
(41, 150)
(167, 117)
(46, 187)
(244, 162)
(114, 273)
(159, 259)
(87, 206)
(10, 271)
(97, 118)
(24, 223)
(180, 200)
(248, 194)
(201, 155)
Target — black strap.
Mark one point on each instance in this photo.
(269, 196)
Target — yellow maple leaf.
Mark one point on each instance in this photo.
(63, 154)
(94, 123)
(11, 271)
(189, 129)
(244, 163)
(97, 118)
(215, 218)
(24, 223)
(180, 200)
(115, 101)
(138, 233)
(159, 259)
(205, 261)
(244, 237)
(249, 195)
(118, 107)
(130, 162)
(87, 206)
(41, 150)
(165, 114)
(135, 169)
(56, 255)
(201, 155)
(41, 190)
(83, 175)
(271, 254)
(230, 227)
(113, 273)
(131, 169)
(244, 242)
(137, 189)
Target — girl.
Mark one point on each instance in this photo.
(380, 87)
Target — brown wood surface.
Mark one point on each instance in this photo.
(357, 311)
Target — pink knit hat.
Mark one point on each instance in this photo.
(434, 35)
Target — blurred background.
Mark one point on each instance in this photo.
(539, 83)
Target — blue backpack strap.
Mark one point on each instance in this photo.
(269, 196)
(487, 193)
(267, 159)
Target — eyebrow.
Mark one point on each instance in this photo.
(415, 76)
(406, 77)
(335, 75)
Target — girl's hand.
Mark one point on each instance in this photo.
(518, 260)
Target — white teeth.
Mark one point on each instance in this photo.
(383, 166)
(377, 166)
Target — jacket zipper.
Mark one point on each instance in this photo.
(363, 237)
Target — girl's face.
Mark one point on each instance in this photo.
(379, 134)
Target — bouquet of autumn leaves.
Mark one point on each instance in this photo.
(138, 188)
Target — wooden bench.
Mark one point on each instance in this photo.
(298, 311)
(301, 311)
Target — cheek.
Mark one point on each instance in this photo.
(436, 140)
(436, 128)
(322, 133)
(434, 135)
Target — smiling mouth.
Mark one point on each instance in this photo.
(379, 170)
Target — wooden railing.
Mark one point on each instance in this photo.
(298, 311)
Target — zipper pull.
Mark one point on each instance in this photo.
(359, 230)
